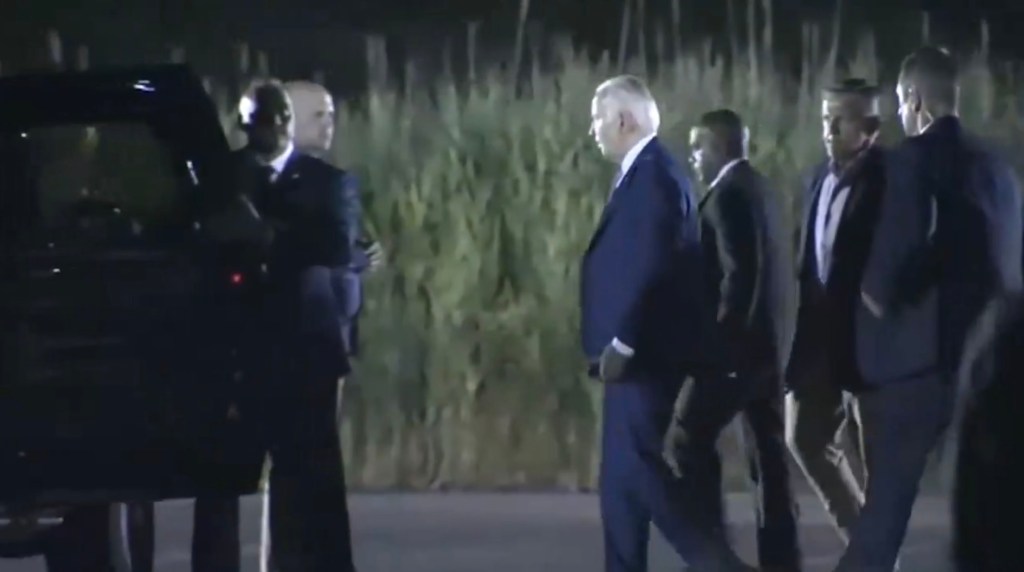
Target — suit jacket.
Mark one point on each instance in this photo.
(641, 277)
(350, 280)
(313, 208)
(825, 327)
(749, 269)
(948, 243)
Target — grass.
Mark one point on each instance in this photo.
(485, 197)
(485, 200)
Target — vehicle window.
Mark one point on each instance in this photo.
(114, 170)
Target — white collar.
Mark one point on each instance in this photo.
(633, 153)
(725, 171)
(278, 163)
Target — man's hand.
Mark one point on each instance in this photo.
(375, 254)
(676, 444)
(874, 307)
(673, 449)
(612, 364)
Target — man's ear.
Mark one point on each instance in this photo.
(626, 121)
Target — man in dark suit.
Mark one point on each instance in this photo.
(313, 109)
(643, 316)
(311, 211)
(990, 431)
(840, 211)
(314, 135)
(749, 273)
(948, 244)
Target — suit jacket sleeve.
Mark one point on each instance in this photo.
(654, 216)
(801, 230)
(731, 213)
(901, 239)
(341, 225)
(996, 198)
(360, 260)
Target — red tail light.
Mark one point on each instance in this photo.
(237, 278)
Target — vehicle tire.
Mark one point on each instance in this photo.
(103, 538)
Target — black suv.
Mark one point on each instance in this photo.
(122, 315)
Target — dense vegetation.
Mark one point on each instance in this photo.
(484, 197)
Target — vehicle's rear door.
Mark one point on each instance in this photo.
(123, 334)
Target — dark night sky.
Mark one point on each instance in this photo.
(320, 26)
(241, 14)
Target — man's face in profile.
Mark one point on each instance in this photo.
(314, 118)
(705, 154)
(271, 126)
(909, 103)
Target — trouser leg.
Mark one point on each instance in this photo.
(903, 422)
(216, 546)
(776, 508)
(815, 421)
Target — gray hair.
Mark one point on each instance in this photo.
(630, 93)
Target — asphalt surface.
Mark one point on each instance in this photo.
(517, 532)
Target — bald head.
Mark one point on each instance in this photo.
(622, 112)
(314, 116)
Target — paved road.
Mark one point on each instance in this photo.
(514, 533)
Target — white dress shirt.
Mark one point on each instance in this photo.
(826, 222)
(278, 163)
(630, 158)
(624, 167)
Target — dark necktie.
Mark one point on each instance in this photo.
(264, 186)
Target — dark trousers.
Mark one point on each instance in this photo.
(703, 410)
(216, 544)
(87, 541)
(985, 535)
(309, 523)
(902, 423)
(267, 563)
(637, 488)
(818, 412)
(988, 468)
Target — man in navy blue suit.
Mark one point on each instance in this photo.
(311, 211)
(314, 134)
(947, 245)
(644, 328)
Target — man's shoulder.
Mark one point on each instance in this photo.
(323, 174)
(316, 166)
(666, 169)
(986, 153)
(904, 154)
(747, 178)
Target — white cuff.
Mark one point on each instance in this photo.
(622, 348)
